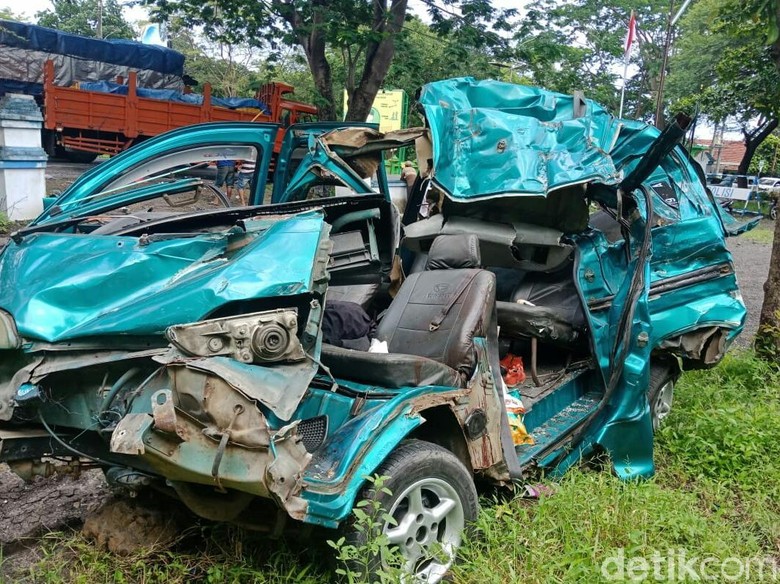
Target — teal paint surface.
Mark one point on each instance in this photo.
(77, 199)
(132, 288)
(493, 138)
(490, 139)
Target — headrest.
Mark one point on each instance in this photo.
(453, 252)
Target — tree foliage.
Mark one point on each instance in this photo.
(363, 32)
(721, 65)
(228, 68)
(723, 68)
(766, 160)
(578, 44)
(6, 13)
(81, 17)
(765, 14)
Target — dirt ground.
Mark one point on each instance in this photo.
(59, 175)
(751, 260)
(29, 510)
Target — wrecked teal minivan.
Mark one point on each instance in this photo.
(553, 272)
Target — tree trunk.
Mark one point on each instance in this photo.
(767, 342)
(323, 81)
(311, 36)
(768, 336)
(752, 141)
(379, 56)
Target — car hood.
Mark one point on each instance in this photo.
(68, 286)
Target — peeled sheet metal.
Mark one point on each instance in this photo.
(492, 138)
(64, 286)
(279, 387)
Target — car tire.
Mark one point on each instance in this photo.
(432, 498)
(773, 212)
(80, 156)
(660, 393)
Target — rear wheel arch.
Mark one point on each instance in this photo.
(442, 428)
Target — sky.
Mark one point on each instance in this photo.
(32, 6)
(136, 13)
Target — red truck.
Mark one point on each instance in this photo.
(81, 124)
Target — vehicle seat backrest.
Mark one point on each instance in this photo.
(438, 312)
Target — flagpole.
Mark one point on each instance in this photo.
(630, 34)
(623, 89)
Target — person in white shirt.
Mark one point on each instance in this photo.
(246, 169)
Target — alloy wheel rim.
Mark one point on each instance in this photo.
(429, 519)
(663, 404)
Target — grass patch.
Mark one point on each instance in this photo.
(215, 554)
(761, 234)
(715, 494)
(7, 226)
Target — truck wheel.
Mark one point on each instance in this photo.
(80, 156)
(433, 499)
(660, 393)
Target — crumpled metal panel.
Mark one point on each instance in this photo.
(492, 138)
(279, 388)
(70, 286)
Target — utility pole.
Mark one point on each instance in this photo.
(659, 101)
(100, 19)
(659, 98)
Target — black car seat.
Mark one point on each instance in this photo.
(362, 294)
(431, 324)
(545, 306)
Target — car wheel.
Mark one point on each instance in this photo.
(80, 156)
(660, 394)
(432, 500)
(773, 212)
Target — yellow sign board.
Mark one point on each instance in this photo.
(388, 110)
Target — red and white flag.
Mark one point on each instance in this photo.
(630, 35)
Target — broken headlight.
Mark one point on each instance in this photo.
(261, 337)
(9, 337)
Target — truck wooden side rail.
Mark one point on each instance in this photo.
(82, 124)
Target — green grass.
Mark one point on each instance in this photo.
(763, 233)
(218, 554)
(716, 494)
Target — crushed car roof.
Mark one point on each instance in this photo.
(492, 138)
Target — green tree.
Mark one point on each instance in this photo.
(6, 13)
(228, 68)
(723, 69)
(364, 32)
(423, 57)
(578, 44)
(766, 15)
(766, 160)
(84, 17)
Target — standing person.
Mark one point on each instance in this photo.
(246, 169)
(226, 176)
(408, 174)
